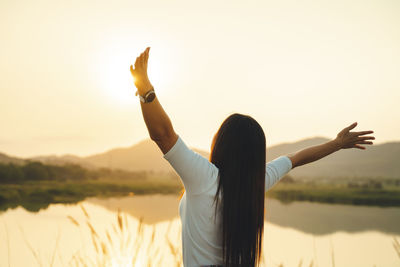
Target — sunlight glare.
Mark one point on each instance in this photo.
(116, 79)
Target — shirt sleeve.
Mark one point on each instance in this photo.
(275, 170)
(196, 172)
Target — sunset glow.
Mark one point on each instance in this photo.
(301, 70)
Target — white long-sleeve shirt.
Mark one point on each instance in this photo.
(201, 243)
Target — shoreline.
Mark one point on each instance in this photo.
(38, 195)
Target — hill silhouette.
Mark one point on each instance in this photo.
(8, 159)
(144, 156)
(381, 160)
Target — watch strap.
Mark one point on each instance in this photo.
(145, 98)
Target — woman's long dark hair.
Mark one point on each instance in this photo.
(238, 150)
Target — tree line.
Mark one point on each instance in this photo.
(37, 171)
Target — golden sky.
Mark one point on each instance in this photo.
(300, 68)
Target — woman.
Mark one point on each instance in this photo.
(222, 209)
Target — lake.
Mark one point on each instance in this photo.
(145, 231)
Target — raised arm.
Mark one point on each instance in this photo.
(157, 121)
(344, 139)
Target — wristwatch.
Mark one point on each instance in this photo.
(148, 97)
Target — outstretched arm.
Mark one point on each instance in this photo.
(157, 121)
(344, 139)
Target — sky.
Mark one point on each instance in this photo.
(300, 68)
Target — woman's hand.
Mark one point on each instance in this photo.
(347, 139)
(139, 74)
(344, 139)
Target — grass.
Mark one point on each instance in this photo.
(122, 244)
(35, 185)
(35, 195)
(336, 194)
(396, 245)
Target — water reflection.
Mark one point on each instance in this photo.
(307, 217)
(293, 233)
(152, 208)
(322, 219)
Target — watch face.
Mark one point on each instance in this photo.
(150, 97)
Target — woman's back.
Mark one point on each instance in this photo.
(201, 230)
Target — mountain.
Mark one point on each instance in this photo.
(376, 161)
(145, 155)
(8, 159)
(142, 156)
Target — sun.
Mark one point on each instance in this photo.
(116, 79)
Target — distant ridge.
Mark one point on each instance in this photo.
(377, 161)
(381, 160)
(8, 159)
(145, 155)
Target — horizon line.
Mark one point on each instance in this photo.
(148, 139)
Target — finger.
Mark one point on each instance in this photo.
(366, 138)
(145, 59)
(365, 142)
(132, 70)
(141, 60)
(352, 126)
(144, 64)
(359, 146)
(137, 62)
(147, 55)
(364, 132)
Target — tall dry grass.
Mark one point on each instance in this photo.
(396, 245)
(122, 244)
